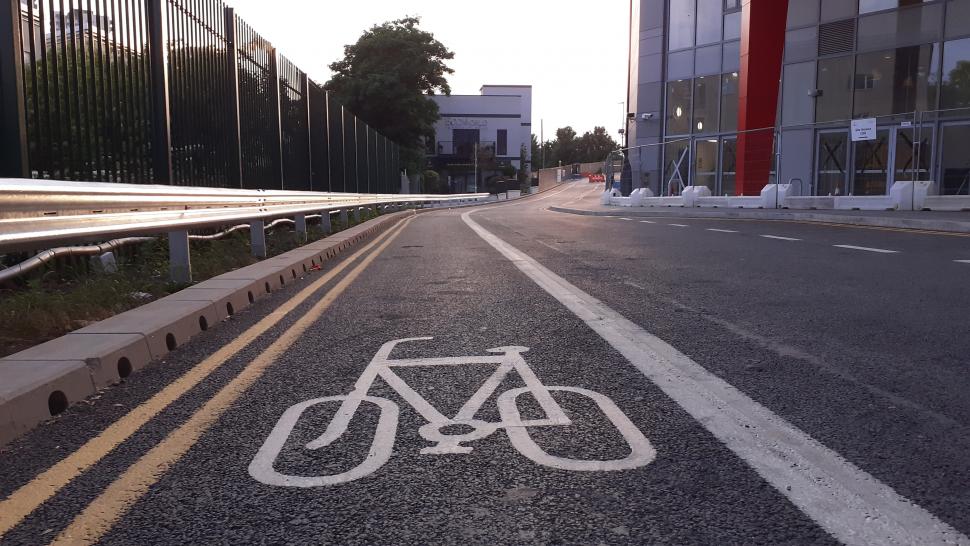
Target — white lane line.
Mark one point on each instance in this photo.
(780, 238)
(722, 230)
(962, 261)
(627, 219)
(849, 503)
(678, 225)
(647, 222)
(867, 249)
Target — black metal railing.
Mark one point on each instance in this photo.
(179, 92)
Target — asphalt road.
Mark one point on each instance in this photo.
(686, 381)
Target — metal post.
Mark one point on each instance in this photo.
(277, 117)
(344, 221)
(235, 129)
(300, 221)
(356, 215)
(309, 132)
(325, 223)
(14, 162)
(161, 118)
(257, 238)
(179, 257)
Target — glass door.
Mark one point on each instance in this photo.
(871, 173)
(705, 164)
(955, 161)
(912, 162)
(831, 161)
(729, 166)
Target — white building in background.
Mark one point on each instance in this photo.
(480, 136)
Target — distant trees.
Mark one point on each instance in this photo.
(569, 148)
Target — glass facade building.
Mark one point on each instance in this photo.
(904, 62)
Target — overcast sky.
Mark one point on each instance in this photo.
(572, 52)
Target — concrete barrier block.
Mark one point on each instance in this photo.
(265, 275)
(109, 357)
(31, 392)
(226, 301)
(166, 324)
(248, 291)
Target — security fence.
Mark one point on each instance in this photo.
(179, 92)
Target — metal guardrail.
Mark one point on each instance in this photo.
(38, 214)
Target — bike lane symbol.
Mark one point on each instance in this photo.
(505, 360)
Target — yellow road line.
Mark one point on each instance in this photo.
(27, 498)
(102, 514)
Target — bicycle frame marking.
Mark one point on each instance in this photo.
(505, 359)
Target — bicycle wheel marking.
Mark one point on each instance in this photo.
(505, 360)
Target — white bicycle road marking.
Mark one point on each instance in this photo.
(505, 360)
(848, 502)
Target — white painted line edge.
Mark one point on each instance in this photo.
(647, 222)
(627, 219)
(678, 225)
(962, 261)
(780, 238)
(722, 230)
(867, 249)
(849, 503)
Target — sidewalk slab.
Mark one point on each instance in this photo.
(109, 357)
(30, 390)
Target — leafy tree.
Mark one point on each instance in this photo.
(522, 175)
(567, 148)
(595, 146)
(386, 79)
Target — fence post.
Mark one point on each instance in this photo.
(277, 119)
(235, 135)
(309, 133)
(161, 118)
(179, 257)
(14, 161)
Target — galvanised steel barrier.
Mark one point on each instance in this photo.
(37, 214)
(177, 92)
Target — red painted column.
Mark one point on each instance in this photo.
(762, 45)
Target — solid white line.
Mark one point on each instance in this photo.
(780, 238)
(647, 222)
(867, 249)
(849, 503)
(962, 261)
(627, 219)
(677, 225)
(722, 230)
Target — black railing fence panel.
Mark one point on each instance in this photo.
(181, 92)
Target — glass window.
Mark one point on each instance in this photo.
(801, 45)
(705, 164)
(708, 60)
(681, 31)
(503, 141)
(732, 57)
(706, 104)
(833, 10)
(732, 26)
(802, 13)
(680, 65)
(956, 76)
(902, 27)
(729, 102)
(834, 82)
(869, 6)
(957, 19)
(708, 21)
(897, 81)
(797, 105)
(955, 163)
(729, 165)
(678, 107)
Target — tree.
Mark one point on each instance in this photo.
(595, 146)
(522, 175)
(386, 78)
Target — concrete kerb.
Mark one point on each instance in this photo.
(951, 226)
(44, 380)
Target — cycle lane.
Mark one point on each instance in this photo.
(439, 279)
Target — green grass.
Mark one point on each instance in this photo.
(67, 296)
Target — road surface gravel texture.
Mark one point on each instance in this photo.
(850, 342)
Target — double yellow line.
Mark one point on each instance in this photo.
(102, 513)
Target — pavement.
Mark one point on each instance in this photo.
(618, 380)
(587, 203)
